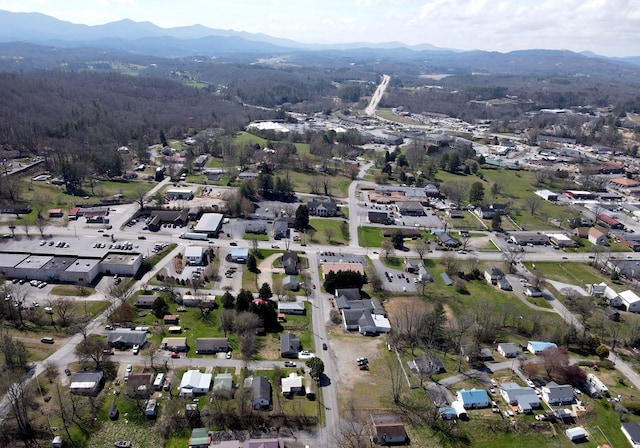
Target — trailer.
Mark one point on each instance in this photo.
(194, 236)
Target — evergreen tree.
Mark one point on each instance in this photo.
(228, 301)
(476, 193)
(252, 264)
(302, 218)
(265, 291)
(244, 300)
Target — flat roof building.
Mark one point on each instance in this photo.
(209, 223)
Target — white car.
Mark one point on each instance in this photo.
(136, 349)
(129, 368)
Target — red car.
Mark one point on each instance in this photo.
(175, 355)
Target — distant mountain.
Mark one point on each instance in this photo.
(42, 29)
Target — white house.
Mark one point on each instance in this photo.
(554, 393)
(537, 347)
(630, 300)
(508, 349)
(474, 398)
(195, 382)
(597, 237)
(292, 385)
(605, 291)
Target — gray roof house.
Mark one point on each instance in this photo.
(290, 262)
(348, 293)
(87, 383)
(508, 349)
(145, 301)
(289, 345)
(427, 364)
(291, 283)
(291, 307)
(524, 397)
(260, 392)
(123, 338)
(280, 228)
(359, 319)
(631, 431)
(493, 274)
(211, 345)
(554, 393)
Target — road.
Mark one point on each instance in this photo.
(370, 110)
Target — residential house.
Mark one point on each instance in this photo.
(260, 392)
(292, 385)
(537, 347)
(223, 383)
(556, 394)
(326, 208)
(87, 383)
(145, 301)
(175, 344)
(290, 262)
(289, 345)
(631, 431)
(446, 239)
(473, 399)
(290, 283)
(280, 228)
(508, 349)
(387, 429)
(523, 397)
(200, 301)
(427, 365)
(212, 345)
(489, 211)
(597, 237)
(493, 274)
(124, 338)
(347, 293)
(194, 382)
(291, 307)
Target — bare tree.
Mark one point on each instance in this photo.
(227, 318)
(450, 262)
(512, 257)
(20, 397)
(120, 291)
(92, 348)
(351, 432)
(533, 203)
(396, 376)
(65, 310)
(421, 247)
(387, 248)
(329, 233)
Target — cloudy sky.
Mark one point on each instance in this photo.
(607, 27)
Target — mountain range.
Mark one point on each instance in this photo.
(43, 32)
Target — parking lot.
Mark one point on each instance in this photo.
(393, 279)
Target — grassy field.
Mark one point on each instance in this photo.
(370, 236)
(320, 225)
(71, 290)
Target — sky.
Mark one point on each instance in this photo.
(606, 27)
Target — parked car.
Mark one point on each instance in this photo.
(47, 340)
(289, 364)
(67, 372)
(324, 346)
(175, 355)
(229, 354)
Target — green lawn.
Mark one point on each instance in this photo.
(370, 236)
(320, 225)
(72, 290)
(252, 236)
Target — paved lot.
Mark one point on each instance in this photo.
(398, 278)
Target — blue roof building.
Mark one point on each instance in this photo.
(474, 398)
(537, 347)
